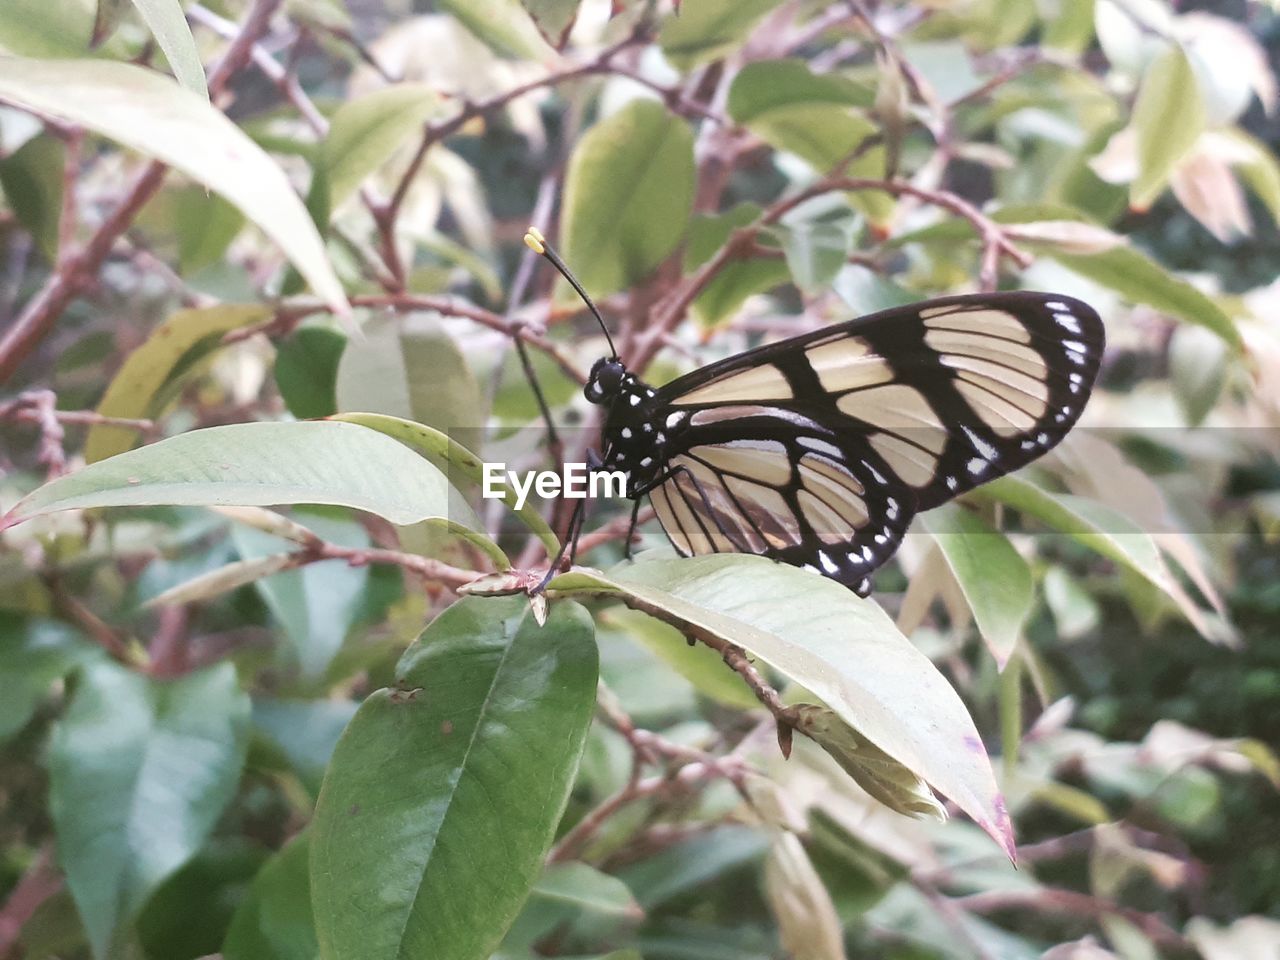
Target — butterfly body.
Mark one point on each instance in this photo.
(819, 450)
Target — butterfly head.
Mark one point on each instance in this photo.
(606, 380)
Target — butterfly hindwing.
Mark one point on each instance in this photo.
(818, 450)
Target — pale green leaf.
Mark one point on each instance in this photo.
(842, 648)
(255, 464)
(459, 464)
(1169, 116)
(1138, 278)
(995, 580)
(168, 24)
(365, 131)
(504, 25)
(709, 29)
(148, 112)
(628, 195)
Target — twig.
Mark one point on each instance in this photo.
(38, 884)
(294, 312)
(1070, 903)
(67, 216)
(386, 215)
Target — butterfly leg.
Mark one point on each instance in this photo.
(631, 529)
(569, 546)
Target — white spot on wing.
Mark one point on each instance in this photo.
(626, 433)
(1055, 305)
(1067, 321)
(673, 419)
(977, 466)
(827, 563)
(984, 448)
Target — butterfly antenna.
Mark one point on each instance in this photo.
(536, 242)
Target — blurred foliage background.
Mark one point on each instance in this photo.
(200, 205)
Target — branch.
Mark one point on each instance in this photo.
(386, 215)
(38, 884)
(995, 244)
(296, 311)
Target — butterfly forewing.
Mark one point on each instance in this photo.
(818, 450)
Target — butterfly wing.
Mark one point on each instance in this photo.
(819, 450)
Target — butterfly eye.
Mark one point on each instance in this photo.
(605, 380)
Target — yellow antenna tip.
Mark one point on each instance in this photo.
(535, 241)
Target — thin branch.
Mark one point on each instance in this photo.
(434, 133)
(1072, 904)
(39, 882)
(995, 245)
(294, 312)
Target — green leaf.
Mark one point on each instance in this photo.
(168, 24)
(140, 770)
(795, 110)
(870, 767)
(304, 732)
(34, 653)
(146, 111)
(739, 279)
(144, 385)
(700, 665)
(224, 579)
(842, 648)
(307, 371)
(444, 793)
(411, 368)
(628, 196)
(188, 915)
(255, 464)
(503, 24)
(554, 18)
(316, 604)
(1258, 168)
(815, 252)
(366, 131)
(1074, 609)
(1137, 277)
(995, 580)
(709, 29)
(1169, 116)
(274, 922)
(1098, 527)
(31, 178)
(1197, 371)
(458, 463)
(205, 225)
(49, 28)
(586, 888)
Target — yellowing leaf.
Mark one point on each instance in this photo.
(1169, 117)
(1206, 188)
(139, 388)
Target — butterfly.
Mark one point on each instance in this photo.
(819, 450)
